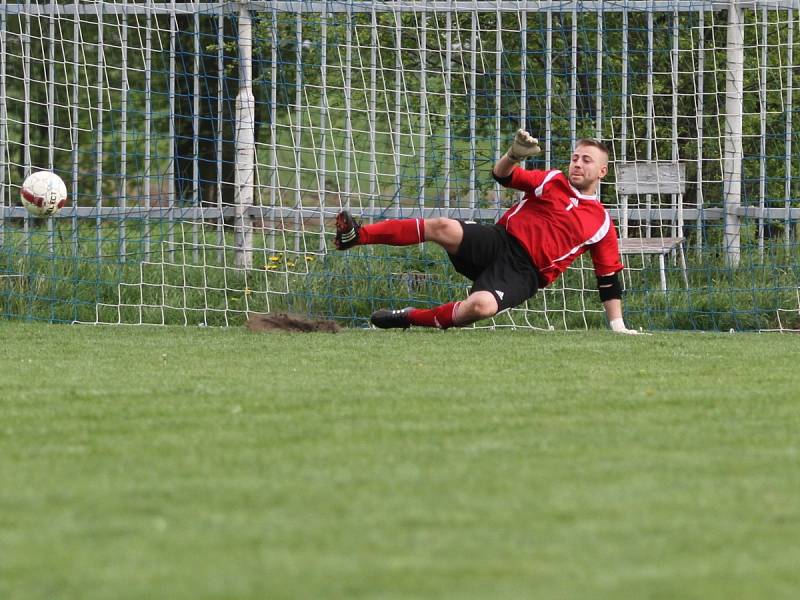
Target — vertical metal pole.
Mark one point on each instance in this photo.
(599, 88)
(148, 110)
(447, 102)
(26, 108)
(523, 108)
(51, 103)
(499, 144)
(762, 159)
(523, 75)
(523, 29)
(623, 138)
(498, 80)
(245, 143)
(398, 85)
(788, 110)
(348, 102)
(123, 178)
(423, 109)
(196, 198)
(348, 108)
(732, 164)
(548, 95)
(273, 131)
(372, 112)
(599, 83)
(98, 132)
(573, 83)
(677, 199)
(701, 65)
(173, 26)
(74, 129)
(473, 176)
(648, 199)
(298, 130)
(26, 114)
(323, 127)
(220, 133)
(3, 125)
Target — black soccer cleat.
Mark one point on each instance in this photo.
(346, 231)
(391, 319)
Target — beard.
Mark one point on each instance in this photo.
(580, 184)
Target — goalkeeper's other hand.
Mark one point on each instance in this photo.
(524, 146)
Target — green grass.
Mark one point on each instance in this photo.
(203, 463)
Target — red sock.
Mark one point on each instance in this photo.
(442, 316)
(395, 232)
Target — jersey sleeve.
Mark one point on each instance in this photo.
(526, 181)
(605, 254)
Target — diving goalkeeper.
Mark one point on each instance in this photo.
(558, 219)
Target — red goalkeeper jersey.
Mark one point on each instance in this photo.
(556, 224)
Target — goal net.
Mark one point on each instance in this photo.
(207, 148)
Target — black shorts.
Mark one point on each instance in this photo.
(496, 263)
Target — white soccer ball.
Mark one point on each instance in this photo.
(43, 193)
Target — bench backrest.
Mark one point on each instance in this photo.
(651, 178)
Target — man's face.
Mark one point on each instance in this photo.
(587, 166)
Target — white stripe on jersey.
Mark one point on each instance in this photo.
(599, 235)
(516, 210)
(538, 191)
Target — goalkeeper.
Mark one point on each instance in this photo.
(558, 219)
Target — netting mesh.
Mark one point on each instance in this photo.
(390, 110)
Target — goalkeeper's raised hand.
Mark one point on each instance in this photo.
(524, 146)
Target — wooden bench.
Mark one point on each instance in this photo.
(652, 178)
(659, 247)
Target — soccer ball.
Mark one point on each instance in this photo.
(43, 193)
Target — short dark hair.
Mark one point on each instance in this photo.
(594, 143)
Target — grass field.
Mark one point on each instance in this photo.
(202, 463)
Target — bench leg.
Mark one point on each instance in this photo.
(683, 265)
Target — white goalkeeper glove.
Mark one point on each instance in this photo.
(524, 146)
(618, 326)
